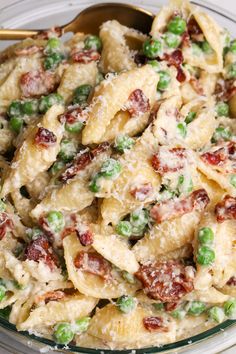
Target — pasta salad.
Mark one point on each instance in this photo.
(118, 182)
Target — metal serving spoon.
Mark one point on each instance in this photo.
(90, 19)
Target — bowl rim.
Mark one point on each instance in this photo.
(183, 343)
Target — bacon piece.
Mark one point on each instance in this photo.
(171, 306)
(52, 32)
(140, 59)
(196, 86)
(193, 27)
(175, 58)
(224, 152)
(93, 263)
(174, 208)
(181, 77)
(50, 296)
(225, 90)
(141, 192)
(5, 224)
(84, 235)
(169, 160)
(40, 249)
(186, 39)
(154, 324)
(45, 138)
(82, 160)
(72, 115)
(231, 281)
(167, 281)
(36, 83)
(226, 209)
(32, 49)
(137, 103)
(85, 56)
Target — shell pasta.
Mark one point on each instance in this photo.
(118, 182)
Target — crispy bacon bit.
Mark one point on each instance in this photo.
(41, 250)
(167, 281)
(171, 306)
(93, 263)
(36, 83)
(5, 224)
(225, 90)
(141, 192)
(85, 56)
(181, 77)
(176, 58)
(72, 115)
(32, 49)
(45, 138)
(50, 296)
(52, 32)
(196, 86)
(82, 160)
(226, 209)
(193, 27)
(84, 234)
(231, 281)
(186, 39)
(154, 324)
(137, 103)
(221, 154)
(169, 160)
(170, 209)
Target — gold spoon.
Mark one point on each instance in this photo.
(90, 19)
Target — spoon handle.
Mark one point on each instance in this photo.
(7, 34)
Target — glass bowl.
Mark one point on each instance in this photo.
(45, 14)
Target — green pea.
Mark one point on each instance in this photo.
(123, 142)
(2, 206)
(47, 102)
(15, 109)
(94, 183)
(56, 167)
(206, 48)
(182, 130)
(206, 236)
(164, 80)
(152, 48)
(190, 117)
(216, 314)
(2, 292)
(63, 333)
(124, 228)
(111, 168)
(205, 256)
(52, 61)
(81, 94)
(230, 309)
(232, 47)
(221, 133)
(55, 220)
(222, 109)
(16, 124)
(231, 72)
(233, 180)
(179, 314)
(93, 42)
(196, 49)
(128, 277)
(159, 306)
(155, 65)
(68, 150)
(195, 308)
(53, 45)
(74, 127)
(30, 107)
(126, 303)
(34, 233)
(139, 218)
(177, 25)
(82, 325)
(172, 40)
